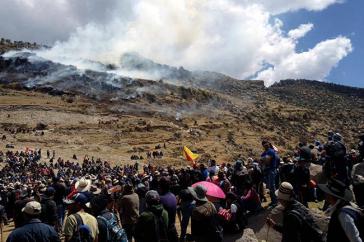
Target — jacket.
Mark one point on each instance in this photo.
(153, 219)
(34, 231)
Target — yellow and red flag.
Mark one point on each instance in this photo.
(189, 155)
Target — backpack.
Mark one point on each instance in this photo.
(82, 231)
(358, 215)
(114, 232)
(310, 231)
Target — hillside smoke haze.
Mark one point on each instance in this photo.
(236, 38)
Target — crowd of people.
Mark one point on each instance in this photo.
(95, 201)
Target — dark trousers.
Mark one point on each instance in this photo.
(359, 194)
(129, 230)
(172, 234)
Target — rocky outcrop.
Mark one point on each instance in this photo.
(248, 236)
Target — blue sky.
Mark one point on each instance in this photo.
(345, 19)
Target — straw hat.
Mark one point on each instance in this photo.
(83, 185)
(95, 190)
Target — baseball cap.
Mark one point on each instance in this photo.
(32, 208)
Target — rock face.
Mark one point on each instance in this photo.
(248, 236)
(258, 224)
(316, 173)
(320, 218)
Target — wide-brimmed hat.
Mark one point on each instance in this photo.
(337, 189)
(305, 154)
(199, 193)
(95, 190)
(285, 191)
(79, 198)
(42, 187)
(83, 185)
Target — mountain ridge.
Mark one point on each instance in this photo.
(218, 115)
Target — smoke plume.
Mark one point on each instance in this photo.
(243, 39)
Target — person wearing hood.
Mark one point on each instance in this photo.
(344, 224)
(152, 225)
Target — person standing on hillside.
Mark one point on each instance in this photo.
(77, 217)
(204, 224)
(344, 225)
(269, 158)
(59, 195)
(298, 224)
(33, 230)
(152, 225)
(358, 183)
(129, 209)
(169, 202)
(301, 174)
(49, 208)
(357, 175)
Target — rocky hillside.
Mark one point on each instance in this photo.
(102, 113)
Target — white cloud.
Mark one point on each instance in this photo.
(315, 63)
(282, 6)
(235, 37)
(301, 31)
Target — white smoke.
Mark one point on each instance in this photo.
(243, 38)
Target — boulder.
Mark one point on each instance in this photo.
(316, 173)
(41, 126)
(248, 236)
(259, 226)
(320, 218)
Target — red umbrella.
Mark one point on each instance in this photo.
(213, 190)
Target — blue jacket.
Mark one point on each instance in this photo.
(34, 231)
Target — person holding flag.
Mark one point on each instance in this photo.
(189, 155)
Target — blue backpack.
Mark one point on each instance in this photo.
(114, 232)
(82, 232)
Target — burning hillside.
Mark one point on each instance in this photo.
(219, 115)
